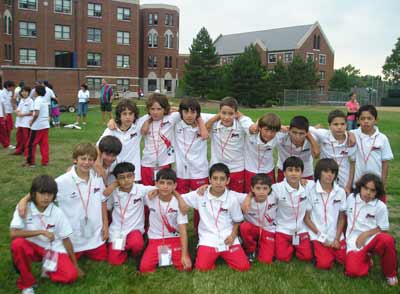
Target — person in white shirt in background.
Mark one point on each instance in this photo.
(83, 103)
(24, 115)
(367, 226)
(6, 95)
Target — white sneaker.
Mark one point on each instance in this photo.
(28, 291)
(392, 281)
(77, 127)
(84, 123)
(11, 147)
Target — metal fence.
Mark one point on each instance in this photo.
(337, 98)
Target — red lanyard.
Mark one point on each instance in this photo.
(219, 212)
(156, 147)
(335, 157)
(296, 210)
(325, 203)
(122, 212)
(223, 145)
(355, 215)
(292, 153)
(191, 143)
(42, 222)
(262, 158)
(370, 150)
(164, 219)
(85, 206)
(262, 217)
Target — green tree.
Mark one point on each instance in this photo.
(200, 70)
(247, 82)
(221, 86)
(345, 78)
(391, 68)
(277, 80)
(302, 75)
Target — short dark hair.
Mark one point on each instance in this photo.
(334, 114)
(126, 104)
(160, 99)
(230, 102)
(299, 122)
(326, 164)
(110, 144)
(365, 179)
(188, 103)
(351, 94)
(166, 174)
(84, 86)
(40, 90)
(370, 108)
(8, 84)
(261, 179)
(123, 167)
(271, 121)
(219, 167)
(26, 89)
(43, 184)
(293, 161)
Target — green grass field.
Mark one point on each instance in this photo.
(295, 277)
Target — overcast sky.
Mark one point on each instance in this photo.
(362, 33)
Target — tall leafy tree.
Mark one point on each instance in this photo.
(200, 70)
(302, 75)
(247, 74)
(391, 68)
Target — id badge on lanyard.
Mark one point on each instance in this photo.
(119, 243)
(86, 228)
(155, 171)
(164, 255)
(50, 261)
(296, 239)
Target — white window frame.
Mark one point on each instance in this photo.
(62, 4)
(121, 12)
(23, 8)
(322, 75)
(168, 61)
(123, 61)
(8, 22)
(94, 9)
(272, 54)
(96, 57)
(284, 57)
(94, 30)
(169, 40)
(152, 39)
(62, 32)
(153, 63)
(29, 54)
(169, 20)
(123, 38)
(28, 23)
(324, 56)
(123, 84)
(92, 83)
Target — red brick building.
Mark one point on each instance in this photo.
(69, 42)
(307, 41)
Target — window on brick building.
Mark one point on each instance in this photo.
(27, 56)
(317, 42)
(322, 75)
(153, 19)
(8, 2)
(7, 21)
(168, 62)
(122, 84)
(94, 84)
(152, 39)
(288, 57)
(169, 20)
(123, 13)
(271, 57)
(321, 89)
(123, 38)
(94, 35)
(151, 85)
(322, 59)
(94, 9)
(27, 29)
(7, 52)
(123, 61)
(310, 57)
(27, 4)
(94, 59)
(63, 6)
(168, 85)
(168, 40)
(62, 32)
(152, 61)
(63, 59)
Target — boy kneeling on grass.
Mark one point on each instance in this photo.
(43, 236)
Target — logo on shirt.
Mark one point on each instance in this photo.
(235, 135)
(305, 150)
(270, 205)
(74, 195)
(370, 216)
(344, 152)
(375, 148)
(164, 123)
(133, 135)
(171, 210)
(137, 200)
(336, 201)
(223, 210)
(95, 190)
(49, 226)
(152, 209)
(303, 198)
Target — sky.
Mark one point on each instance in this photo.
(362, 33)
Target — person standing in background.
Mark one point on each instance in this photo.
(83, 102)
(106, 97)
(352, 108)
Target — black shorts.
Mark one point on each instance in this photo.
(105, 107)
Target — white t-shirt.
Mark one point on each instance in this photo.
(217, 216)
(159, 229)
(42, 121)
(83, 96)
(292, 205)
(371, 151)
(324, 210)
(5, 98)
(362, 217)
(52, 220)
(130, 140)
(49, 94)
(191, 151)
(128, 210)
(227, 143)
(25, 106)
(158, 149)
(72, 191)
(261, 214)
(340, 152)
(286, 149)
(259, 155)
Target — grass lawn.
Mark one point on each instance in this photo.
(102, 278)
